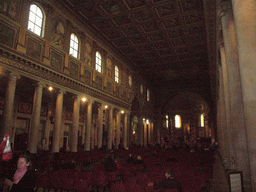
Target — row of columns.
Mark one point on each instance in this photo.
(237, 91)
(58, 122)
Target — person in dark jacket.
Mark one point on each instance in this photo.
(109, 163)
(169, 182)
(23, 179)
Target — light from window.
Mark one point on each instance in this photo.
(177, 121)
(116, 74)
(130, 80)
(141, 89)
(148, 94)
(167, 121)
(98, 62)
(202, 120)
(35, 20)
(73, 49)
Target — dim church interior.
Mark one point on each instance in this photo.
(170, 49)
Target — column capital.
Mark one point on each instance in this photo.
(110, 107)
(224, 7)
(61, 91)
(77, 96)
(14, 75)
(40, 84)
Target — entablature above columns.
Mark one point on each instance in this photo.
(22, 65)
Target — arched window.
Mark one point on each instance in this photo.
(116, 74)
(98, 62)
(202, 120)
(177, 121)
(141, 89)
(148, 94)
(130, 80)
(167, 121)
(36, 20)
(73, 48)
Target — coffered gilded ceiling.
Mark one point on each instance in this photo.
(164, 39)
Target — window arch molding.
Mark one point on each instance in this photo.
(117, 74)
(74, 46)
(36, 19)
(98, 61)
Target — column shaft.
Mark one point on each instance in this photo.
(57, 123)
(100, 126)
(88, 127)
(74, 131)
(245, 18)
(35, 124)
(110, 127)
(8, 107)
(118, 125)
(125, 136)
(140, 131)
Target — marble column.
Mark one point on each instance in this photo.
(245, 19)
(140, 131)
(145, 136)
(57, 122)
(110, 127)
(47, 133)
(8, 107)
(125, 135)
(118, 126)
(237, 129)
(100, 126)
(224, 108)
(35, 124)
(88, 126)
(74, 131)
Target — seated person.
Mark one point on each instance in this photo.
(130, 159)
(138, 160)
(169, 182)
(109, 163)
(23, 179)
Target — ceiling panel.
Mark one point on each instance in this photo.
(162, 37)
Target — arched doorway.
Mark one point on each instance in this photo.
(193, 112)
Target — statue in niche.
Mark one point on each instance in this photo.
(109, 68)
(58, 34)
(88, 54)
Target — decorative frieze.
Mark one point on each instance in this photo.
(32, 69)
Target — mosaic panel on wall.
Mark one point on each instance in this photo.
(88, 55)
(117, 91)
(98, 82)
(124, 95)
(34, 48)
(73, 69)
(57, 37)
(109, 68)
(109, 87)
(56, 60)
(87, 76)
(6, 35)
